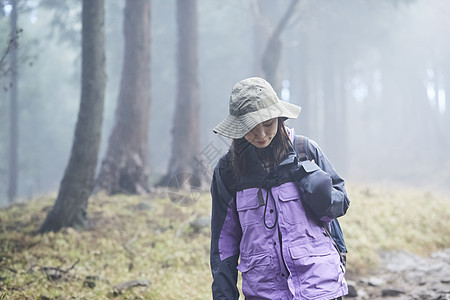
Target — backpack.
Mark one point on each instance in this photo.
(301, 147)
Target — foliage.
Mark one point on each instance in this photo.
(66, 20)
(150, 238)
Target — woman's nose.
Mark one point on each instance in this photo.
(258, 131)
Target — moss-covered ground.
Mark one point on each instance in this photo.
(150, 238)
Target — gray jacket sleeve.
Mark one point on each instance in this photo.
(323, 188)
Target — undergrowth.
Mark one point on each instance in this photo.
(150, 238)
(393, 220)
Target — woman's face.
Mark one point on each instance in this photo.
(262, 134)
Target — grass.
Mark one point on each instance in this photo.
(142, 238)
(387, 220)
(122, 243)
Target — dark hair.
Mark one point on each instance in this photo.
(272, 154)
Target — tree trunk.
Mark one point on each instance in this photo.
(263, 14)
(77, 183)
(272, 54)
(342, 134)
(446, 114)
(331, 132)
(258, 38)
(124, 168)
(299, 86)
(185, 132)
(14, 114)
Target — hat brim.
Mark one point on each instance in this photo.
(237, 127)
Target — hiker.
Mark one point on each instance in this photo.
(275, 200)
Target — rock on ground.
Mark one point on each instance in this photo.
(404, 275)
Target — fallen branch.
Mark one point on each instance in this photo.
(123, 286)
(11, 269)
(55, 273)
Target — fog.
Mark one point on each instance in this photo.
(372, 78)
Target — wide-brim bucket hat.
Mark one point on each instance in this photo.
(253, 101)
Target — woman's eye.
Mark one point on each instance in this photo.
(268, 124)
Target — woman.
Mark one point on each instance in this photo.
(270, 208)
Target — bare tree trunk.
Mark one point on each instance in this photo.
(272, 54)
(261, 32)
(185, 132)
(311, 87)
(446, 115)
(124, 168)
(14, 114)
(78, 181)
(331, 131)
(443, 141)
(342, 134)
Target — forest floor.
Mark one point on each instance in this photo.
(403, 276)
(157, 247)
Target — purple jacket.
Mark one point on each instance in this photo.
(274, 222)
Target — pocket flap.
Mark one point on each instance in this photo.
(247, 199)
(298, 252)
(288, 192)
(310, 248)
(249, 262)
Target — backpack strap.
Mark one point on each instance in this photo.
(301, 147)
(342, 255)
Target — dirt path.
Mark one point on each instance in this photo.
(405, 276)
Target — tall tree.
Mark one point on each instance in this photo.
(300, 80)
(78, 181)
(262, 11)
(185, 131)
(272, 53)
(333, 84)
(124, 168)
(14, 113)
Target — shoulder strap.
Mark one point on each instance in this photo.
(343, 255)
(301, 147)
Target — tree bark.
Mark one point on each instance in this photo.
(185, 132)
(446, 114)
(332, 121)
(272, 54)
(261, 32)
(77, 183)
(342, 134)
(14, 113)
(298, 68)
(124, 168)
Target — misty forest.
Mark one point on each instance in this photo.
(107, 109)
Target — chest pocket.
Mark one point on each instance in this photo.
(248, 205)
(291, 206)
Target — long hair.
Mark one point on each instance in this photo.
(273, 154)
